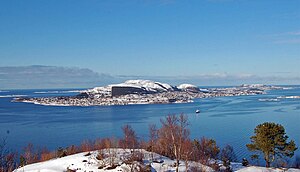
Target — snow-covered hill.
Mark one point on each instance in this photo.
(150, 85)
(186, 86)
(147, 86)
(90, 162)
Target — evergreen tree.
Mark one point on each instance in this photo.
(270, 139)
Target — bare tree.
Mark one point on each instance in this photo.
(10, 162)
(205, 150)
(110, 144)
(98, 145)
(7, 157)
(3, 153)
(72, 150)
(86, 146)
(46, 154)
(30, 154)
(130, 140)
(174, 132)
(153, 133)
(187, 151)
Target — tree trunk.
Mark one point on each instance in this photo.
(186, 165)
(267, 159)
(267, 162)
(177, 166)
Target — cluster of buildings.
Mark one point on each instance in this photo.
(134, 95)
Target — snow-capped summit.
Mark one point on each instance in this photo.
(150, 85)
(99, 90)
(132, 86)
(186, 86)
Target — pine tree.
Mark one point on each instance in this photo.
(270, 139)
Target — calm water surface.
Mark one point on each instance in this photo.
(229, 120)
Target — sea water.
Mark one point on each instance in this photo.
(228, 120)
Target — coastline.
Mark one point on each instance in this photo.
(134, 99)
(232, 107)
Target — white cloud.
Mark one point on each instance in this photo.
(292, 37)
(294, 33)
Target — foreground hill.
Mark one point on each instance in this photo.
(117, 160)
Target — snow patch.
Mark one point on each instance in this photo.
(186, 86)
(288, 97)
(58, 92)
(147, 85)
(5, 96)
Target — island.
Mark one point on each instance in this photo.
(144, 92)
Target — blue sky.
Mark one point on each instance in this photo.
(227, 39)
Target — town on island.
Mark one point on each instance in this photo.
(145, 92)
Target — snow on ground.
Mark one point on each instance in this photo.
(58, 92)
(7, 96)
(147, 85)
(98, 90)
(82, 163)
(88, 162)
(264, 169)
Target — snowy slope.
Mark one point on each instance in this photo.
(81, 163)
(84, 162)
(150, 85)
(264, 169)
(186, 86)
(147, 85)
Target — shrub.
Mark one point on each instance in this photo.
(245, 162)
(205, 150)
(227, 156)
(61, 152)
